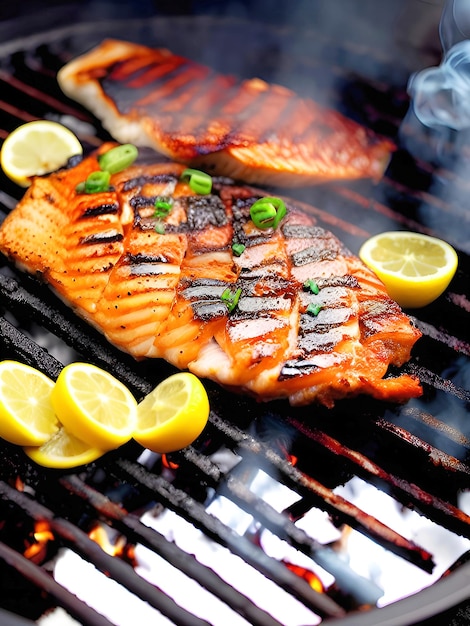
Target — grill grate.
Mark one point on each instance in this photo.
(418, 453)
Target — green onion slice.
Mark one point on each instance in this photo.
(118, 158)
(314, 309)
(200, 182)
(160, 228)
(238, 249)
(231, 299)
(267, 212)
(95, 183)
(163, 206)
(311, 285)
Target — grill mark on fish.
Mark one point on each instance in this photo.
(141, 180)
(304, 367)
(324, 321)
(126, 84)
(206, 299)
(320, 342)
(313, 255)
(106, 236)
(148, 265)
(213, 97)
(303, 231)
(102, 209)
(204, 290)
(204, 211)
(142, 202)
(207, 311)
(348, 281)
(167, 92)
(136, 259)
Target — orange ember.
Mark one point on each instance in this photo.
(42, 535)
(119, 547)
(167, 463)
(312, 579)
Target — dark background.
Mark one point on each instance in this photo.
(400, 26)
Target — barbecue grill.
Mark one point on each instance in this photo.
(417, 454)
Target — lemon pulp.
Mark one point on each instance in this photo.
(94, 406)
(63, 450)
(37, 148)
(26, 413)
(173, 415)
(415, 269)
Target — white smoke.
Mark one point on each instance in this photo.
(441, 95)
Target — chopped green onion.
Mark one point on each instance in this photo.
(200, 182)
(311, 285)
(160, 228)
(163, 206)
(95, 183)
(314, 309)
(238, 249)
(267, 212)
(118, 158)
(231, 299)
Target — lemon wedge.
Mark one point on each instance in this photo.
(26, 414)
(173, 414)
(94, 406)
(37, 148)
(415, 269)
(63, 451)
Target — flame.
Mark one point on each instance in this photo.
(19, 484)
(42, 535)
(312, 579)
(99, 535)
(167, 463)
(290, 457)
(119, 548)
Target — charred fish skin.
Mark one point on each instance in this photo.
(295, 315)
(249, 130)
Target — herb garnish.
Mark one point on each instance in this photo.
(111, 162)
(231, 299)
(118, 158)
(238, 248)
(200, 182)
(311, 285)
(163, 206)
(267, 212)
(314, 309)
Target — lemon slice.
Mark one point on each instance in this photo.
(94, 406)
(26, 413)
(415, 269)
(63, 450)
(173, 415)
(37, 148)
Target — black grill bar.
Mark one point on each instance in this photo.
(76, 334)
(119, 570)
(179, 501)
(43, 580)
(363, 591)
(316, 494)
(436, 508)
(16, 343)
(138, 532)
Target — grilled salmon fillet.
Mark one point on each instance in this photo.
(312, 323)
(247, 129)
